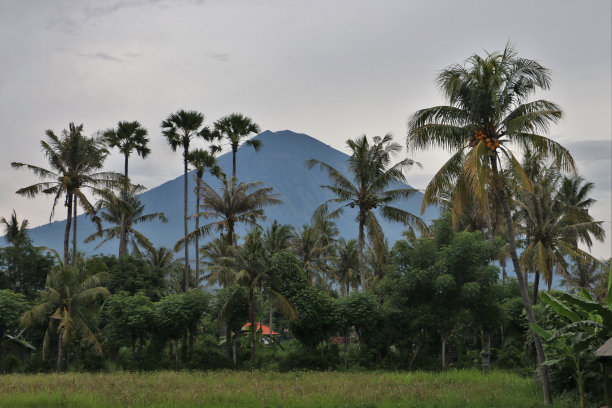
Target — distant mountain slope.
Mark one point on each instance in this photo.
(280, 164)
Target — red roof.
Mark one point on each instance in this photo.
(260, 327)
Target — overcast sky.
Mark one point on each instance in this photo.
(330, 69)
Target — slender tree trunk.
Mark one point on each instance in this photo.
(123, 233)
(74, 230)
(443, 337)
(233, 351)
(60, 349)
(234, 153)
(536, 287)
(360, 242)
(346, 338)
(186, 153)
(504, 274)
(197, 226)
(523, 287)
(271, 315)
(67, 229)
(253, 325)
(486, 355)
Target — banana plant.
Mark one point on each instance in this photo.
(590, 325)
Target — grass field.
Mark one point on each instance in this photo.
(468, 388)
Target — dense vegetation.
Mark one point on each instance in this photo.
(432, 301)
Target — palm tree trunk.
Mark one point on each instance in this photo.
(197, 241)
(536, 287)
(67, 229)
(443, 337)
(234, 153)
(123, 233)
(271, 316)
(523, 288)
(74, 231)
(253, 324)
(186, 153)
(360, 241)
(58, 365)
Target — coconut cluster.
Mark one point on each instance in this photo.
(492, 142)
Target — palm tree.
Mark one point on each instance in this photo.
(487, 111)
(123, 212)
(234, 128)
(310, 247)
(237, 203)
(13, 230)
(127, 137)
(276, 238)
(552, 229)
(179, 128)
(255, 272)
(74, 163)
(216, 254)
(346, 266)
(371, 172)
(202, 160)
(73, 296)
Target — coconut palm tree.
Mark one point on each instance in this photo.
(488, 110)
(234, 128)
(75, 161)
(237, 203)
(72, 298)
(372, 173)
(311, 248)
(123, 213)
(215, 255)
(202, 160)
(552, 229)
(127, 137)
(14, 230)
(346, 266)
(180, 128)
(255, 272)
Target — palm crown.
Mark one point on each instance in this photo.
(372, 174)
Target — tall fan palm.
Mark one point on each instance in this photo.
(234, 128)
(372, 174)
(73, 296)
(487, 110)
(127, 137)
(74, 163)
(179, 128)
(202, 160)
(115, 210)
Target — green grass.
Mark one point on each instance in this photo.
(271, 389)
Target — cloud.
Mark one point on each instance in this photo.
(94, 12)
(590, 149)
(102, 56)
(221, 56)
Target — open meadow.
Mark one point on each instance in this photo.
(272, 389)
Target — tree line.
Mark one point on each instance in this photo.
(432, 300)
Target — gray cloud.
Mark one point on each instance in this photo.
(223, 56)
(590, 149)
(101, 55)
